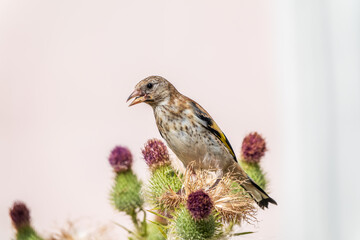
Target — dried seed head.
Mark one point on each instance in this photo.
(171, 199)
(229, 200)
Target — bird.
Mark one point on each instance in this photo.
(192, 134)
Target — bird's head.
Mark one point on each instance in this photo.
(152, 90)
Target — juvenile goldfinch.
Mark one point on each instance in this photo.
(192, 134)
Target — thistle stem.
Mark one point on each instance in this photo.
(134, 219)
(144, 223)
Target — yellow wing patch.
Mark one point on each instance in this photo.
(212, 127)
(220, 135)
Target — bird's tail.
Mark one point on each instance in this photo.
(259, 195)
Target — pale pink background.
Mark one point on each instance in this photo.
(67, 67)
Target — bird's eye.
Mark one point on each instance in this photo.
(149, 85)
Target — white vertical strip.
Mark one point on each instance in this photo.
(345, 43)
(318, 70)
(287, 70)
(316, 124)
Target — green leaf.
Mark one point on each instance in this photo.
(159, 215)
(242, 233)
(160, 227)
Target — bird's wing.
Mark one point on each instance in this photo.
(211, 125)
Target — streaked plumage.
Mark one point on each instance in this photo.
(191, 133)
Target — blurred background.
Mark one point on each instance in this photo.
(289, 69)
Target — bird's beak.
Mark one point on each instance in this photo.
(138, 95)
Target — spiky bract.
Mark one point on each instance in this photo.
(125, 194)
(186, 227)
(163, 179)
(27, 233)
(254, 170)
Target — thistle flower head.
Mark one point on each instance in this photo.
(199, 204)
(20, 215)
(155, 153)
(253, 147)
(120, 159)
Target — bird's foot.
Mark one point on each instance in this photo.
(215, 183)
(181, 191)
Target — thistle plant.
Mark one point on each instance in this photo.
(163, 177)
(192, 205)
(125, 194)
(252, 150)
(20, 216)
(198, 210)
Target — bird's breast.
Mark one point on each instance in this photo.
(189, 140)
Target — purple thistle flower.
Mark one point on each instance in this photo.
(253, 148)
(155, 153)
(20, 215)
(199, 204)
(120, 159)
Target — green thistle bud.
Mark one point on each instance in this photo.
(125, 194)
(186, 227)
